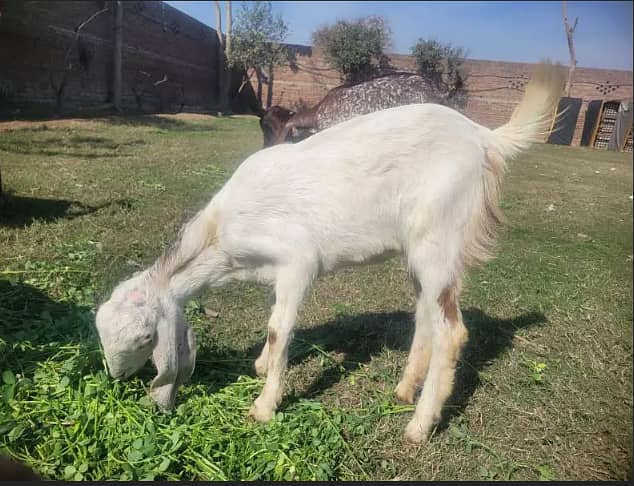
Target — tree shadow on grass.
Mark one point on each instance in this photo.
(359, 337)
(156, 121)
(18, 211)
(163, 121)
(77, 146)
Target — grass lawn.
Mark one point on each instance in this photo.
(544, 389)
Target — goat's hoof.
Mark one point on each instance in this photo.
(414, 433)
(405, 392)
(260, 413)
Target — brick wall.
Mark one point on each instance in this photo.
(159, 43)
(494, 87)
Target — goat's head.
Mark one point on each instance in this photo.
(134, 325)
(273, 123)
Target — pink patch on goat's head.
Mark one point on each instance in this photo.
(135, 296)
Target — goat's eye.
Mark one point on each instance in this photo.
(144, 340)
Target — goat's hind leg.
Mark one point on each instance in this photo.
(439, 295)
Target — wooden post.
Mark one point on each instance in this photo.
(220, 66)
(117, 54)
(226, 86)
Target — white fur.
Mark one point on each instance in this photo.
(419, 180)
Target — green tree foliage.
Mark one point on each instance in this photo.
(355, 48)
(442, 64)
(258, 43)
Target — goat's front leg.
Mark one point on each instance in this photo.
(290, 287)
(419, 355)
(262, 363)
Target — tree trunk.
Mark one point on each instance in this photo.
(229, 27)
(269, 93)
(118, 48)
(571, 48)
(258, 75)
(226, 86)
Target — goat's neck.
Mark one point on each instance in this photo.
(305, 119)
(207, 270)
(193, 262)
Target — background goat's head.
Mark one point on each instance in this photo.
(134, 325)
(272, 123)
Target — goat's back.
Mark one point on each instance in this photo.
(345, 102)
(368, 181)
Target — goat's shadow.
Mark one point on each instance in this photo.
(361, 336)
(29, 315)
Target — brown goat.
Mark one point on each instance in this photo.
(272, 123)
(347, 101)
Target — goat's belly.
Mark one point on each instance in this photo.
(357, 260)
(344, 255)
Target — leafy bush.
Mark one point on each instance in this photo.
(355, 48)
(443, 65)
(257, 42)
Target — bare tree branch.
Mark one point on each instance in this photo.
(59, 88)
(90, 19)
(161, 81)
(571, 48)
(246, 79)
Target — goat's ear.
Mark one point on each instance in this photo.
(174, 356)
(186, 353)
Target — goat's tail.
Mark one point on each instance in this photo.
(528, 124)
(531, 120)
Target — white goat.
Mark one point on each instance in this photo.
(418, 179)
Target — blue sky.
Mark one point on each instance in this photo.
(506, 31)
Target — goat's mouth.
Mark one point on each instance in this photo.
(123, 375)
